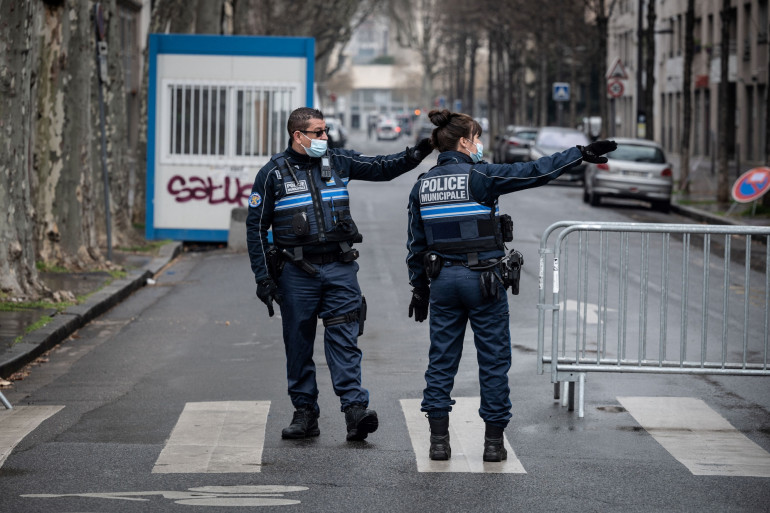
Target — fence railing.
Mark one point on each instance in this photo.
(652, 298)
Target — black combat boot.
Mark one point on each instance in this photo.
(439, 438)
(494, 447)
(304, 424)
(360, 422)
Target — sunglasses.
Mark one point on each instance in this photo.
(318, 133)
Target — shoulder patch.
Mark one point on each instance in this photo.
(255, 199)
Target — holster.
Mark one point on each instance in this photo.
(511, 270)
(275, 262)
(359, 315)
(433, 264)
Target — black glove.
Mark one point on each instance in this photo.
(592, 153)
(267, 291)
(419, 304)
(421, 150)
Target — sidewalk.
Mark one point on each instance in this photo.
(700, 203)
(104, 294)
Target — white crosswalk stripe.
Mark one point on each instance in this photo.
(216, 437)
(466, 435)
(698, 437)
(17, 423)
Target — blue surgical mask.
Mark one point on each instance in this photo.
(317, 147)
(476, 157)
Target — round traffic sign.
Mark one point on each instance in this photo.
(751, 185)
(615, 88)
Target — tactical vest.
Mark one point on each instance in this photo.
(308, 214)
(455, 223)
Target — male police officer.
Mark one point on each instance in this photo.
(311, 271)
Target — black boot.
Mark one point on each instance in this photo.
(439, 438)
(304, 424)
(494, 447)
(360, 422)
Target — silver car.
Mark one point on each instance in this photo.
(553, 139)
(636, 170)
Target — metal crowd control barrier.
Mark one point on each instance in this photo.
(652, 298)
(5, 402)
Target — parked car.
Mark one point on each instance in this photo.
(637, 169)
(513, 145)
(553, 139)
(405, 122)
(388, 129)
(338, 135)
(423, 129)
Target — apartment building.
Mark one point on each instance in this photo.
(747, 81)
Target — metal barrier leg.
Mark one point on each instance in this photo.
(564, 385)
(5, 402)
(581, 395)
(571, 394)
(556, 390)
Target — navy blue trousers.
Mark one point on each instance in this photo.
(334, 291)
(455, 298)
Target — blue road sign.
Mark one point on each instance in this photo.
(560, 92)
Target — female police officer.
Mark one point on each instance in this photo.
(456, 245)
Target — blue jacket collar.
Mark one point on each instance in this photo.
(453, 157)
(299, 158)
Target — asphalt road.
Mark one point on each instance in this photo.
(118, 389)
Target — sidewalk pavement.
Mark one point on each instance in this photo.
(699, 205)
(104, 294)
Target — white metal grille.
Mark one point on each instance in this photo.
(226, 122)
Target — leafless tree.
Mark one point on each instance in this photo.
(601, 12)
(649, 72)
(723, 187)
(689, 46)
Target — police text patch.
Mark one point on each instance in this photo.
(293, 188)
(439, 189)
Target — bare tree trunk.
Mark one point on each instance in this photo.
(723, 187)
(160, 20)
(766, 197)
(649, 69)
(602, 22)
(18, 52)
(689, 44)
(65, 144)
(208, 17)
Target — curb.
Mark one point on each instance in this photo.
(75, 317)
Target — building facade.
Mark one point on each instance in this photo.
(747, 81)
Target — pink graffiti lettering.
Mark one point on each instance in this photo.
(203, 189)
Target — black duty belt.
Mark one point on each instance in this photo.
(322, 258)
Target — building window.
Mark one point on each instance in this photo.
(234, 123)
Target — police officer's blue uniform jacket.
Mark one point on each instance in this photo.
(452, 207)
(275, 198)
(453, 212)
(307, 205)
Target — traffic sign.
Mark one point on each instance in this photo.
(752, 185)
(615, 88)
(560, 92)
(617, 71)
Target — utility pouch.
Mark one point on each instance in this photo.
(488, 283)
(275, 262)
(433, 264)
(506, 227)
(361, 316)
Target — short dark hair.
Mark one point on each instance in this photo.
(298, 119)
(451, 127)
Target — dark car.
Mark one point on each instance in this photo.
(554, 139)
(513, 145)
(423, 130)
(338, 136)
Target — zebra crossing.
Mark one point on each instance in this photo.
(228, 437)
